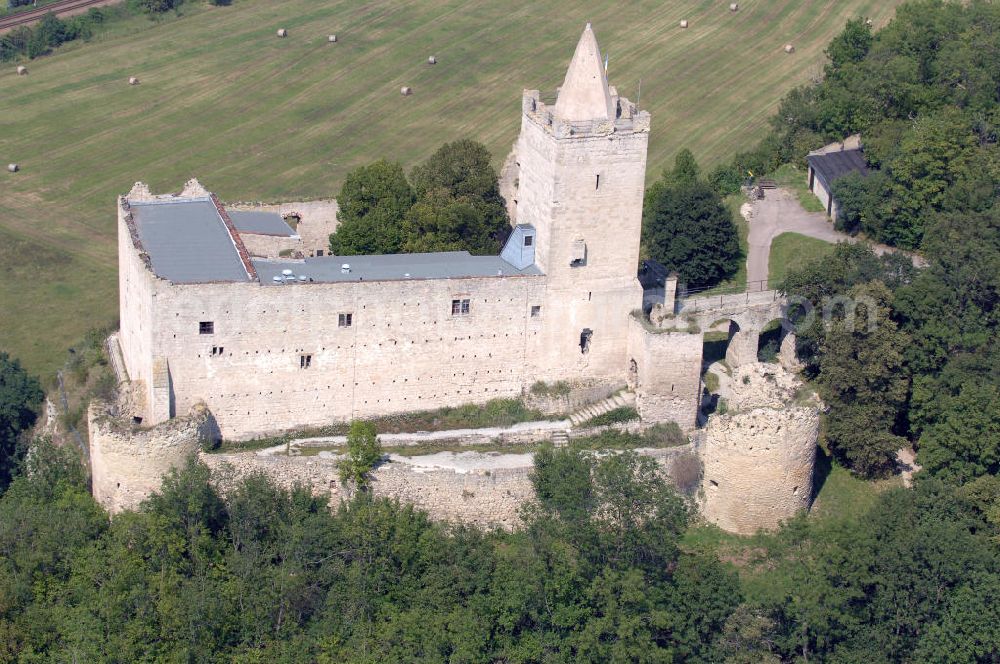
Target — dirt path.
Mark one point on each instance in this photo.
(780, 212)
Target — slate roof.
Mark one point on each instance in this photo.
(187, 241)
(391, 267)
(260, 223)
(832, 166)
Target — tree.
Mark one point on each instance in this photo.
(462, 206)
(861, 367)
(20, 397)
(689, 230)
(850, 46)
(685, 170)
(363, 452)
(963, 441)
(562, 482)
(373, 203)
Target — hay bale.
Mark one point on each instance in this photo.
(432, 60)
(332, 39)
(13, 168)
(282, 32)
(406, 91)
(132, 80)
(22, 70)
(734, 6)
(789, 48)
(684, 23)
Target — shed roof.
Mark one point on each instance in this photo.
(391, 267)
(260, 223)
(187, 241)
(832, 166)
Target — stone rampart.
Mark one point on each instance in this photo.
(759, 455)
(469, 487)
(316, 220)
(665, 372)
(128, 462)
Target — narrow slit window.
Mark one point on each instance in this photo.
(597, 181)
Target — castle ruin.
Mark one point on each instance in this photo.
(239, 323)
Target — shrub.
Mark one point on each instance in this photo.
(616, 416)
(363, 453)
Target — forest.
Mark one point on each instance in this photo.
(603, 570)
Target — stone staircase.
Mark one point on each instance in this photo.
(622, 399)
(560, 438)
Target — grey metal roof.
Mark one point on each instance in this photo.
(832, 166)
(260, 223)
(187, 241)
(391, 267)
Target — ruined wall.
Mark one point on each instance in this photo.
(759, 456)
(272, 246)
(666, 376)
(404, 350)
(480, 494)
(129, 462)
(317, 219)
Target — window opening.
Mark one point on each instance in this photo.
(528, 240)
(206, 327)
(597, 184)
(536, 310)
(345, 320)
(305, 361)
(459, 307)
(585, 336)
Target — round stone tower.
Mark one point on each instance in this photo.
(760, 453)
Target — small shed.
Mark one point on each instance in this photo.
(829, 164)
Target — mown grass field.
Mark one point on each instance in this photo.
(261, 118)
(793, 251)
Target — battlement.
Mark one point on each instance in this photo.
(628, 118)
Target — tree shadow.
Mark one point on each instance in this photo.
(821, 470)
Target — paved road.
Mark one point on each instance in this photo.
(780, 212)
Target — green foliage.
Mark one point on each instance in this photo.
(615, 416)
(453, 205)
(362, 455)
(373, 202)
(155, 7)
(20, 398)
(688, 229)
(560, 388)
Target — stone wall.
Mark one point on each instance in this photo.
(759, 456)
(478, 489)
(273, 246)
(128, 462)
(317, 219)
(403, 351)
(665, 373)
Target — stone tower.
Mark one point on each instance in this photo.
(580, 170)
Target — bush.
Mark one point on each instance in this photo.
(616, 416)
(363, 453)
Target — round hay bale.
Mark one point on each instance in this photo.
(332, 38)
(684, 23)
(734, 6)
(22, 70)
(13, 168)
(789, 48)
(406, 91)
(282, 32)
(432, 60)
(132, 80)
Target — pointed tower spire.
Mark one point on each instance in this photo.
(584, 94)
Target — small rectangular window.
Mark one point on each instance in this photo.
(345, 320)
(217, 350)
(305, 361)
(319, 252)
(528, 240)
(206, 327)
(536, 310)
(459, 307)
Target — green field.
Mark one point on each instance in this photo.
(792, 251)
(261, 118)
